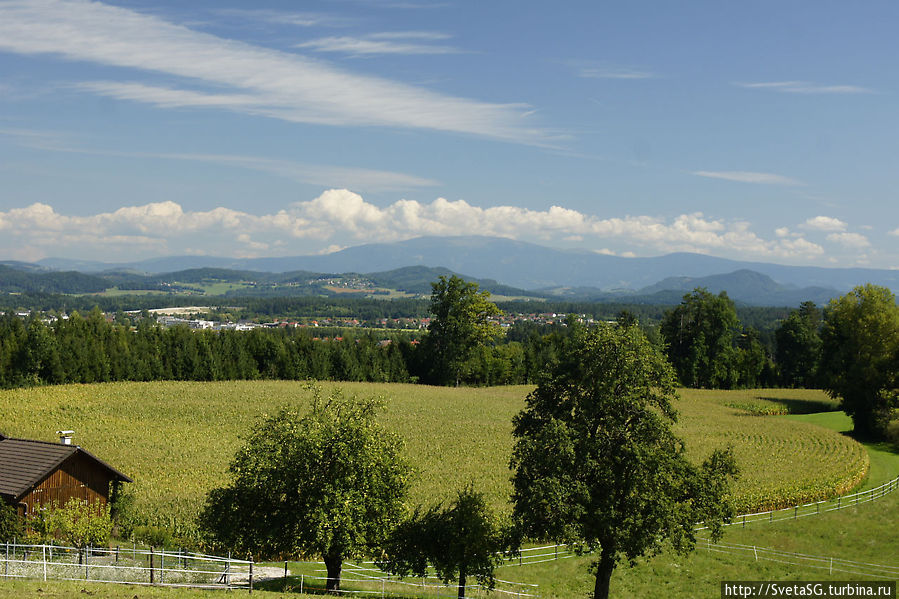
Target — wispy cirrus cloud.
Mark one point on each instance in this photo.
(233, 75)
(390, 42)
(283, 17)
(805, 87)
(613, 73)
(339, 217)
(362, 179)
(605, 70)
(749, 177)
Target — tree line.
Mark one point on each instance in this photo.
(702, 337)
(90, 349)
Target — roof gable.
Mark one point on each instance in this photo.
(25, 463)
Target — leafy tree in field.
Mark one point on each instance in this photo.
(799, 347)
(700, 335)
(462, 540)
(596, 463)
(327, 483)
(860, 356)
(459, 323)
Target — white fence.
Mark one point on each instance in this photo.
(365, 579)
(817, 507)
(123, 565)
(819, 562)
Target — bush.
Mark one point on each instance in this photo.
(10, 526)
(893, 433)
(77, 523)
(154, 536)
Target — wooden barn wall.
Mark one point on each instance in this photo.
(77, 477)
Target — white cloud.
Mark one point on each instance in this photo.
(805, 87)
(749, 177)
(241, 76)
(338, 218)
(299, 19)
(782, 232)
(381, 43)
(314, 174)
(613, 73)
(824, 223)
(849, 240)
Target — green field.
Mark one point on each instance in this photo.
(175, 439)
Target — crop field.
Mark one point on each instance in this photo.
(175, 439)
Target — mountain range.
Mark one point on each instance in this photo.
(540, 271)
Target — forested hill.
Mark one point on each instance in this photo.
(15, 280)
(410, 281)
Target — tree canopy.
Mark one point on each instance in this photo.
(700, 335)
(460, 323)
(860, 356)
(328, 483)
(799, 346)
(461, 540)
(596, 463)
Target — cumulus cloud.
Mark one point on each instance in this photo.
(748, 177)
(850, 240)
(824, 223)
(339, 217)
(227, 74)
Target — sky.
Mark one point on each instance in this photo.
(764, 131)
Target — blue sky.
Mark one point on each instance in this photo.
(760, 131)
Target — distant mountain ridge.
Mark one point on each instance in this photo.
(545, 271)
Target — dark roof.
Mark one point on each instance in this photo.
(25, 463)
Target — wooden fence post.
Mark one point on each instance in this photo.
(44, 547)
(251, 573)
(152, 565)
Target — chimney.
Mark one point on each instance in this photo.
(65, 437)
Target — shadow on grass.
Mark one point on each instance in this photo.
(297, 584)
(781, 406)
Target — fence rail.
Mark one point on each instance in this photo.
(123, 565)
(819, 562)
(815, 508)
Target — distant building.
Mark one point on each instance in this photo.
(39, 473)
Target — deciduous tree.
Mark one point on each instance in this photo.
(799, 347)
(700, 336)
(596, 463)
(460, 541)
(860, 356)
(460, 322)
(329, 483)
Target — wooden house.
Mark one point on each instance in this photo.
(39, 473)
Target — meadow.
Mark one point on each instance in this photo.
(176, 439)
